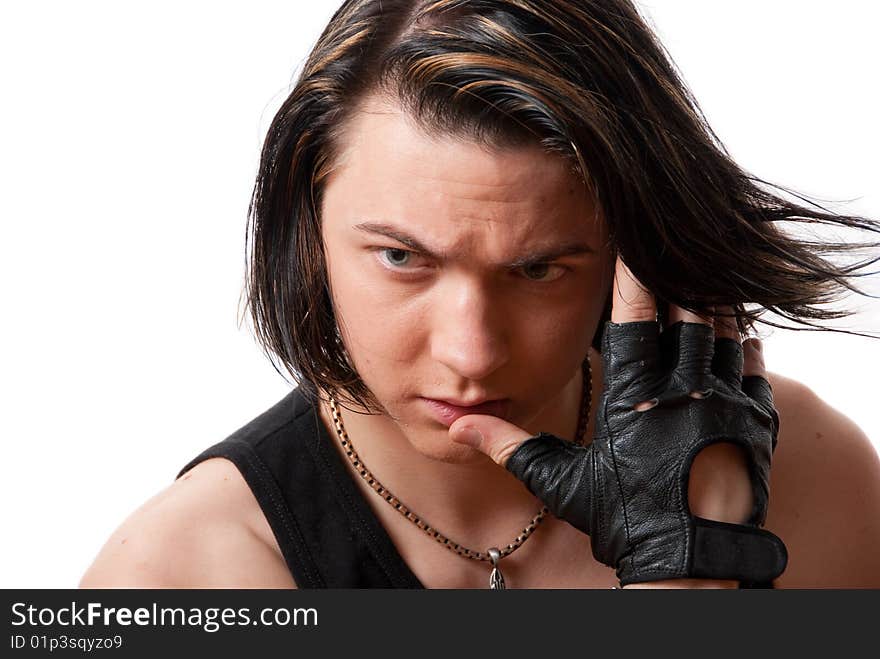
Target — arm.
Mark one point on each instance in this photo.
(825, 495)
(197, 533)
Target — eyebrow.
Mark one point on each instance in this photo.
(540, 256)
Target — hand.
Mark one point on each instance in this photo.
(666, 397)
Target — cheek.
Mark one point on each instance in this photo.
(567, 324)
(557, 339)
(555, 343)
(378, 327)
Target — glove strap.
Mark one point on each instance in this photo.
(735, 551)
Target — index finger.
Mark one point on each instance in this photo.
(630, 343)
(631, 301)
(727, 358)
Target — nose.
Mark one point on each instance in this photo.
(470, 330)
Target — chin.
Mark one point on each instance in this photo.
(439, 447)
(464, 455)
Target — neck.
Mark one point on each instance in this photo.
(474, 502)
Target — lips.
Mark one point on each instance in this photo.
(446, 413)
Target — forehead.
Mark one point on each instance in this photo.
(390, 170)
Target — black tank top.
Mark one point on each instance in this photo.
(326, 531)
(328, 535)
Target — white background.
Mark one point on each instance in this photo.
(130, 138)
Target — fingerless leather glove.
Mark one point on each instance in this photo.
(628, 488)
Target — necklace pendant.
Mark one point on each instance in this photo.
(496, 579)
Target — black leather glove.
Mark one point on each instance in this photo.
(628, 488)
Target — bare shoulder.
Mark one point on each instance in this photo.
(824, 493)
(205, 530)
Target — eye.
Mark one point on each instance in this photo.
(396, 257)
(537, 272)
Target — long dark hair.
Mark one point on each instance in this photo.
(587, 80)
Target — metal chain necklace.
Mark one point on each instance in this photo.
(493, 554)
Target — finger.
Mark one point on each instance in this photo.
(555, 470)
(630, 353)
(631, 365)
(631, 301)
(754, 382)
(727, 360)
(488, 434)
(678, 314)
(687, 345)
(725, 324)
(753, 354)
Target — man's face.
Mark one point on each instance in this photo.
(477, 312)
